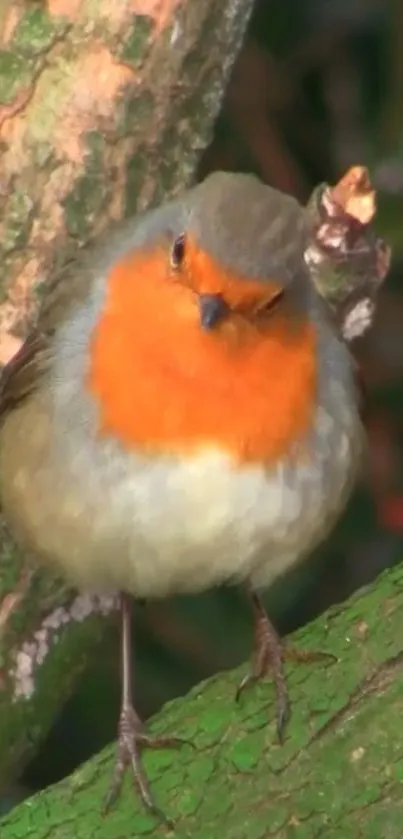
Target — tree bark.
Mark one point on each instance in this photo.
(105, 109)
(338, 774)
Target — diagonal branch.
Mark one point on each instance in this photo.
(338, 773)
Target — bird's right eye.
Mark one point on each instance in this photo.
(178, 251)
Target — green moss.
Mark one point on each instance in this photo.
(37, 31)
(166, 178)
(81, 205)
(15, 74)
(89, 192)
(136, 171)
(244, 753)
(137, 111)
(18, 220)
(53, 679)
(336, 776)
(138, 34)
(10, 566)
(95, 145)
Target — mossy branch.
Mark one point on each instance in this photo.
(339, 773)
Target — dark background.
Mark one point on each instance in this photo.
(318, 87)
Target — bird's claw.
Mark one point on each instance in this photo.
(132, 739)
(268, 660)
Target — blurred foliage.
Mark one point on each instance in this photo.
(318, 87)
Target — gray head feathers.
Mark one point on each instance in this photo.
(248, 226)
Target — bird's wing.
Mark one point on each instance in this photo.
(25, 370)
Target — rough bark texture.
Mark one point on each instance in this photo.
(338, 775)
(47, 633)
(104, 109)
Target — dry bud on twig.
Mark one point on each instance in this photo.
(347, 261)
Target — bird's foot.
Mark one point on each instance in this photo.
(132, 739)
(268, 660)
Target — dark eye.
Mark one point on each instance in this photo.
(178, 251)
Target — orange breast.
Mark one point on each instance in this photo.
(164, 385)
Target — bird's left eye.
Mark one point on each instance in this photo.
(178, 251)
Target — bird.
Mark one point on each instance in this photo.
(183, 415)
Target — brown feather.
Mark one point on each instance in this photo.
(24, 371)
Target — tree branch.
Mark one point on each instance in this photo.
(338, 774)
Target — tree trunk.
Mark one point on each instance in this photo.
(338, 774)
(104, 110)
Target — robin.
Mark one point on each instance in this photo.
(183, 415)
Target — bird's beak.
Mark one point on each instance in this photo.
(213, 309)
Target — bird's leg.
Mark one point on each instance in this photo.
(268, 659)
(132, 735)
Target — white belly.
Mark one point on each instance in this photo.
(153, 528)
(206, 523)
